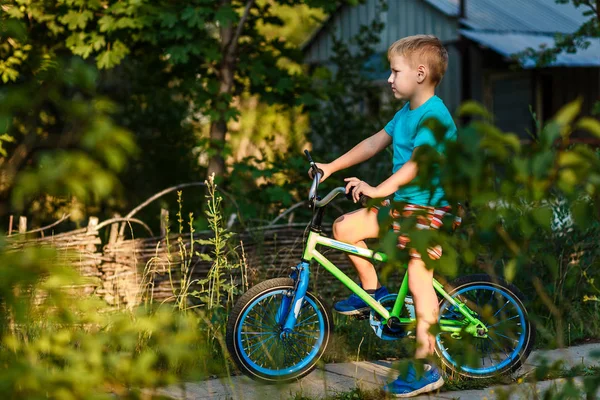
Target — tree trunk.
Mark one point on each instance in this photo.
(218, 127)
(216, 164)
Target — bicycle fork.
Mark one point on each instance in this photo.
(290, 305)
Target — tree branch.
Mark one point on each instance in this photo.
(233, 44)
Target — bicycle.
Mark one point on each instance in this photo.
(277, 331)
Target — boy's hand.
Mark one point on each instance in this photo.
(360, 188)
(327, 171)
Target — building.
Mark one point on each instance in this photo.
(481, 37)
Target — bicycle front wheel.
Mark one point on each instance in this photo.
(510, 338)
(255, 337)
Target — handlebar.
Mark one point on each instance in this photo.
(312, 194)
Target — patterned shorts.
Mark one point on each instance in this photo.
(427, 218)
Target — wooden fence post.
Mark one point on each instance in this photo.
(22, 224)
(164, 217)
(92, 223)
(91, 230)
(113, 236)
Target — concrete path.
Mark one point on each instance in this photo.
(343, 377)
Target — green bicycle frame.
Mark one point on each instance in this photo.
(471, 324)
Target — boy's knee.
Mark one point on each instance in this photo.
(418, 275)
(338, 228)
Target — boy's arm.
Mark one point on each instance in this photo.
(362, 151)
(403, 176)
(359, 153)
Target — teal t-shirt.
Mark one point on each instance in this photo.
(407, 132)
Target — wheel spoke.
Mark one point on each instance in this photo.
(305, 335)
(501, 349)
(257, 333)
(501, 308)
(503, 321)
(257, 324)
(514, 340)
(257, 345)
(303, 322)
(292, 346)
(267, 354)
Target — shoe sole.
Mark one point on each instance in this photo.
(425, 389)
(354, 312)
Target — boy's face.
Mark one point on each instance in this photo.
(404, 79)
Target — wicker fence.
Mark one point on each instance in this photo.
(129, 270)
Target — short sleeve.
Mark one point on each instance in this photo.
(389, 128)
(424, 135)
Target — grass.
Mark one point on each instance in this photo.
(354, 340)
(354, 394)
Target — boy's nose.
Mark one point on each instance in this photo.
(390, 80)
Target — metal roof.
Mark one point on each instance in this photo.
(508, 43)
(541, 16)
(448, 7)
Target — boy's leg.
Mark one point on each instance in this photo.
(354, 228)
(420, 376)
(420, 284)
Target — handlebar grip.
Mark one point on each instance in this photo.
(314, 170)
(308, 156)
(362, 200)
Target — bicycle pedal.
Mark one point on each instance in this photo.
(362, 316)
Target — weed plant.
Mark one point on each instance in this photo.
(62, 344)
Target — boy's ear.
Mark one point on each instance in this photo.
(421, 73)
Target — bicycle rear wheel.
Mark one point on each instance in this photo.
(499, 305)
(255, 337)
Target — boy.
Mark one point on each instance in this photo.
(417, 64)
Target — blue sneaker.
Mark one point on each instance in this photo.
(410, 386)
(353, 305)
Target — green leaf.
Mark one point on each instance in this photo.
(97, 41)
(193, 17)
(225, 15)
(570, 159)
(9, 74)
(510, 270)
(592, 125)
(112, 56)
(126, 22)
(473, 108)
(106, 23)
(74, 19)
(542, 216)
(5, 138)
(13, 11)
(168, 20)
(567, 114)
(205, 257)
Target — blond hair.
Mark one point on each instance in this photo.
(425, 49)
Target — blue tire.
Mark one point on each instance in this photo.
(500, 306)
(256, 341)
